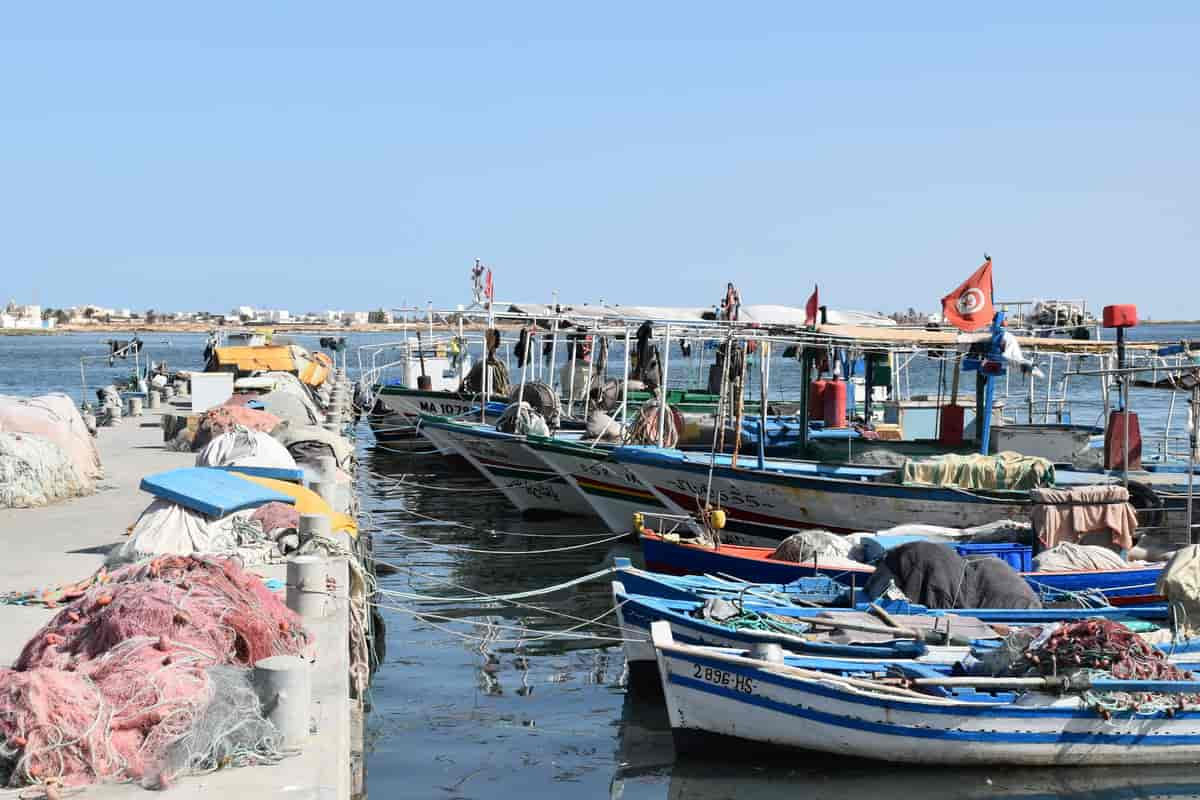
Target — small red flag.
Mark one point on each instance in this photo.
(811, 308)
(489, 291)
(969, 307)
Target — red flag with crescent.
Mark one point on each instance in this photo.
(489, 291)
(969, 307)
(811, 309)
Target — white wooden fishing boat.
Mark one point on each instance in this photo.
(524, 480)
(613, 492)
(765, 505)
(710, 694)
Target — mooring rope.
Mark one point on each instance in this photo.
(484, 597)
(487, 531)
(485, 551)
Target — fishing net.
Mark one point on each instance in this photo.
(521, 418)
(473, 382)
(145, 676)
(208, 604)
(54, 417)
(811, 545)
(645, 426)
(224, 419)
(35, 472)
(1097, 648)
(542, 398)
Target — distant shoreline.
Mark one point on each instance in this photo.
(281, 329)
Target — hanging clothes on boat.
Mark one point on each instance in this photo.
(1099, 515)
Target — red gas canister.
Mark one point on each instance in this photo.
(1114, 441)
(816, 399)
(1124, 316)
(835, 404)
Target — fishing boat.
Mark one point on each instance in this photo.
(523, 478)
(1132, 585)
(766, 502)
(717, 698)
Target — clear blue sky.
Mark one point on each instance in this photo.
(315, 155)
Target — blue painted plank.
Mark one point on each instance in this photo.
(212, 492)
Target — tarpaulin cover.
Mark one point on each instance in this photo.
(166, 527)
(243, 447)
(1069, 515)
(260, 358)
(1011, 471)
(307, 443)
(936, 576)
(305, 500)
(214, 492)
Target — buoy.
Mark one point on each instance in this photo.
(716, 518)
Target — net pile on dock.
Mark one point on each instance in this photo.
(223, 419)
(145, 676)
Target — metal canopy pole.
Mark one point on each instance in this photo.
(662, 396)
(1193, 439)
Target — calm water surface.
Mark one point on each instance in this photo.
(476, 705)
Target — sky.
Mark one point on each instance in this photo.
(314, 155)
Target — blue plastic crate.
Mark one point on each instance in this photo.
(1018, 556)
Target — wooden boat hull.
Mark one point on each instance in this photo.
(613, 492)
(524, 480)
(1129, 586)
(709, 692)
(765, 507)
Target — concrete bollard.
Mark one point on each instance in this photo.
(339, 572)
(284, 688)
(327, 468)
(315, 525)
(306, 591)
(155, 399)
(327, 489)
(135, 406)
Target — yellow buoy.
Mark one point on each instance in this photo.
(717, 518)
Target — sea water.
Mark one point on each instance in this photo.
(477, 702)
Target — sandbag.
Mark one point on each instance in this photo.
(242, 447)
(55, 418)
(35, 471)
(1069, 556)
(1179, 582)
(810, 545)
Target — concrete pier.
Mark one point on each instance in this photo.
(64, 543)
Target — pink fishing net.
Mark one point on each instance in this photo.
(273, 516)
(223, 419)
(124, 673)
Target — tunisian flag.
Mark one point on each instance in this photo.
(489, 290)
(811, 309)
(969, 307)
